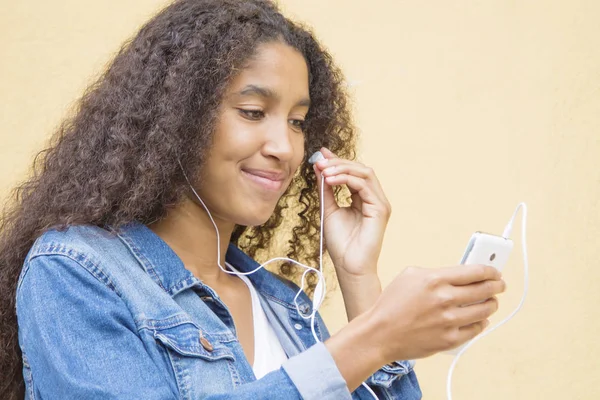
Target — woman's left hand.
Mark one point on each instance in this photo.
(353, 234)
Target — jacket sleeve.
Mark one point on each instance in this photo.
(396, 380)
(80, 340)
(393, 381)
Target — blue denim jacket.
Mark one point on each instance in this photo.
(115, 315)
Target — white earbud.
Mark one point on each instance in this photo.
(317, 156)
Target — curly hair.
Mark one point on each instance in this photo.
(114, 160)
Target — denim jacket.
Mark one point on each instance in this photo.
(113, 314)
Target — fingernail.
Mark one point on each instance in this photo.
(322, 163)
(329, 170)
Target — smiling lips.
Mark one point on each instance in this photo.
(269, 180)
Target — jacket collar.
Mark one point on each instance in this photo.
(168, 271)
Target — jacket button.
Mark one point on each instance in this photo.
(205, 343)
(304, 309)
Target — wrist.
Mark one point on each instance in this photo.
(360, 292)
(356, 355)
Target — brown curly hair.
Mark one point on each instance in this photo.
(115, 160)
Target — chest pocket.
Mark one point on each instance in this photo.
(201, 363)
(187, 339)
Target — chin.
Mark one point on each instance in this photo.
(255, 216)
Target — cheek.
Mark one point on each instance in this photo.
(296, 164)
(299, 142)
(233, 142)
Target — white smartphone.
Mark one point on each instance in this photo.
(485, 249)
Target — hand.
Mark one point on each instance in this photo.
(424, 311)
(353, 234)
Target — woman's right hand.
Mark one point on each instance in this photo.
(425, 311)
(421, 312)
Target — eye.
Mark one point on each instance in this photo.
(298, 124)
(253, 115)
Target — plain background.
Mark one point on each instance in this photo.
(465, 108)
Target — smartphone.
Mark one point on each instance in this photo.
(487, 249)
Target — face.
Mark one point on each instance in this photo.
(258, 142)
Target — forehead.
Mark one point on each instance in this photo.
(277, 66)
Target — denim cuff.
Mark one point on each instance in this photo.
(391, 372)
(316, 376)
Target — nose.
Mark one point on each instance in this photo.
(279, 142)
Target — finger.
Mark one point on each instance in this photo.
(329, 203)
(337, 161)
(478, 292)
(340, 166)
(335, 165)
(329, 157)
(356, 185)
(468, 274)
(475, 312)
(468, 332)
(328, 154)
(331, 160)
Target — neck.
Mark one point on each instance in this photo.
(188, 230)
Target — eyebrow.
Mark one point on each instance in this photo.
(254, 90)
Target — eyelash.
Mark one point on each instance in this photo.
(252, 114)
(255, 115)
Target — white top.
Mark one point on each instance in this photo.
(268, 353)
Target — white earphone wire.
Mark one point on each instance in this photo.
(320, 288)
(506, 234)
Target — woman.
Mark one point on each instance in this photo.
(123, 286)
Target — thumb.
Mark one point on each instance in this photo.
(328, 199)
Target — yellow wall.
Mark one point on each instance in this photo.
(465, 109)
